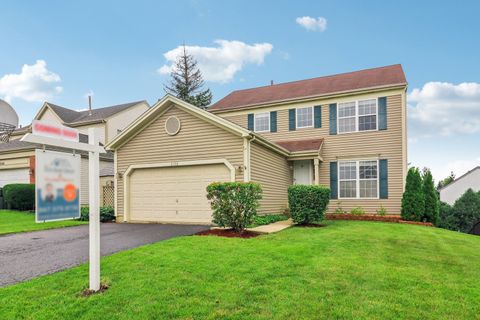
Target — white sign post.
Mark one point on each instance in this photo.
(60, 136)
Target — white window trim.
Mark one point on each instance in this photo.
(296, 118)
(357, 185)
(255, 122)
(357, 117)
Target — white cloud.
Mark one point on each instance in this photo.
(220, 63)
(34, 83)
(312, 24)
(442, 108)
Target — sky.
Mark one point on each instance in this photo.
(121, 51)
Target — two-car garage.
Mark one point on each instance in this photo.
(173, 193)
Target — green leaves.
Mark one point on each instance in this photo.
(19, 196)
(308, 203)
(234, 204)
(413, 200)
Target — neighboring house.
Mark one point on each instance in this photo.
(17, 158)
(347, 132)
(455, 189)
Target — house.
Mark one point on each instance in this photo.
(17, 158)
(346, 131)
(454, 190)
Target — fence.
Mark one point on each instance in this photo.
(108, 198)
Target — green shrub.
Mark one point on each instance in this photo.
(382, 211)
(267, 219)
(432, 204)
(357, 211)
(339, 209)
(308, 203)
(413, 199)
(446, 219)
(463, 214)
(234, 204)
(107, 214)
(19, 196)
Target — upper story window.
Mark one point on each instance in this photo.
(358, 179)
(357, 116)
(262, 122)
(305, 117)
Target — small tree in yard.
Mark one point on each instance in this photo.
(432, 204)
(466, 211)
(187, 82)
(234, 204)
(308, 203)
(413, 200)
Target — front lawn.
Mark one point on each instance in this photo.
(347, 270)
(16, 221)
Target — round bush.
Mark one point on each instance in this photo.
(308, 203)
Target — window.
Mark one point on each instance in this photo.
(305, 117)
(357, 116)
(262, 122)
(358, 179)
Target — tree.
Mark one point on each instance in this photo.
(432, 204)
(466, 211)
(413, 200)
(446, 181)
(187, 82)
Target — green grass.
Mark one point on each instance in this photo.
(16, 221)
(267, 219)
(347, 270)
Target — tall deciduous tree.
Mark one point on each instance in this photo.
(187, 82)
(413, 200)
(432, 204)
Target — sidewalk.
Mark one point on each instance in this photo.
(273, 227)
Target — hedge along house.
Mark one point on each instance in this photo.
(346, 132)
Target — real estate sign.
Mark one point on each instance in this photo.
(57, 181)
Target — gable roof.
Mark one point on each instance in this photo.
(462, 176)
(73, 117)
(168, 101)
(352, 81)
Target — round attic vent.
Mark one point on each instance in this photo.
(172, 126)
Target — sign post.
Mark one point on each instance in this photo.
(60, 136)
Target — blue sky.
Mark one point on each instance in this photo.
(115, 50)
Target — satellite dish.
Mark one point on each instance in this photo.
(8, 121)
(8, 114)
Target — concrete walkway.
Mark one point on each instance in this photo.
(272, 227)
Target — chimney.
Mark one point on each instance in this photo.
(271, 82)
(89, 105)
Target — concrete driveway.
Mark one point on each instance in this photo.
(28, 255)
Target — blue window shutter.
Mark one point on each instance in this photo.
(317, 116)
(333, 118)
(291, 120)
(333, 180)
(382, 113)
(273, 121)
(383, 178)
(250, 121)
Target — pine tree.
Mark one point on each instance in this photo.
(187, 82)
(413, 200)
(432, 204)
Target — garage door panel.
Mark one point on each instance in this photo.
(14, 176)
(173, 194)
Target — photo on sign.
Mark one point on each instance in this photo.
(57, 186)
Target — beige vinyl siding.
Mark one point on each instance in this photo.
(100, 130)
(197, 140)
(50, 116)
(122, 119)
(272, 171)
(384, 144)
(84, 186)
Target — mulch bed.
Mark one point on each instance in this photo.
(374, 217)
(228, 233)
(311, 225)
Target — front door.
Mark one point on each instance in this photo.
(302, 172)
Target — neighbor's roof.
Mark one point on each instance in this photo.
(73, 117)
(301, 145)
(461, 177)
(353, 81)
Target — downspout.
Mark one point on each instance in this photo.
(247, 172)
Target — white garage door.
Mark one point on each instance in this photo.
(14, 176)
(173, 194)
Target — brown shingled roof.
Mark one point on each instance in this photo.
(352, 81)
(301, 145)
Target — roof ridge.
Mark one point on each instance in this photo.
(314, 78)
